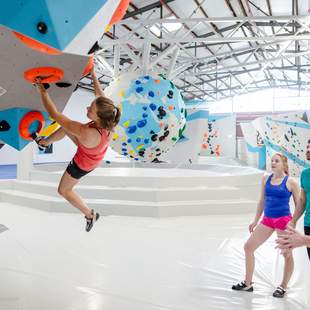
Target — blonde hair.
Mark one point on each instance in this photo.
(109, 115)
(284, 162)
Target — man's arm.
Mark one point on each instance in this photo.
(299, 208)
(292, 239)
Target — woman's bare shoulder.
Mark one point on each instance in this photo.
(292, 181)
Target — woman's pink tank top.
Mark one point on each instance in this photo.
(89, 158)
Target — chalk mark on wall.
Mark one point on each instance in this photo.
(2, 91)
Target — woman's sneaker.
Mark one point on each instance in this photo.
(279, 292)
(90, 222)
(241, 286)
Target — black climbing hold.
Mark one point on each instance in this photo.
(4, 126)
(42, 27)
(162, 113)
(154, 137)
(63, 84)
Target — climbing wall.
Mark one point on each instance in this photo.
(254, 145)
(71, 26)
(18, 96)
(287, 134)
(187, 149)
(219, 136)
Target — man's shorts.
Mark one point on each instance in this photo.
(307, 233)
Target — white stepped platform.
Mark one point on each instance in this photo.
(144, 190)
(132, 208)
(140, 193)
(161, 177)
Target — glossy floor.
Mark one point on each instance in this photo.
(48, 262)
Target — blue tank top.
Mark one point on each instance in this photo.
(277, 198)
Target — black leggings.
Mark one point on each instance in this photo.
(307, 233)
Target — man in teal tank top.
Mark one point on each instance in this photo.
(304, 202)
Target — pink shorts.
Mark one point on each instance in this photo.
(277, 222)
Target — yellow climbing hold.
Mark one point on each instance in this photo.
(139, 147)
(126, 124)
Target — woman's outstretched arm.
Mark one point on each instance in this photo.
(97, 86)
(73, 127)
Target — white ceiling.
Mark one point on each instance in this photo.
(208, 65)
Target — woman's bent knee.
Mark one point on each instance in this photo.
(248, 248)
(62, 191)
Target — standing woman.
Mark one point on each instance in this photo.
(92, 141)
(276, 191)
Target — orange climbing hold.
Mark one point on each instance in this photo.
(89, 66)
(119, 13)
(27, 120)
(36, 45)
(46, 74)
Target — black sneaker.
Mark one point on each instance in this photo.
(241, 286)
(90, 222)
(35, 136)
(279, 292)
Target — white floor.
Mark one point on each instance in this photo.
(47, 262)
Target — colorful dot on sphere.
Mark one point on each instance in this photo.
(144, 115)
(146, 77)
(132, 129)
(144, 108)
(124, 144)
(140, 147)
(157, 81)
(139, 89)
(122, 93)
(171, 107)
(153, 106)
(141, 123)
(138, 140)
(151, 94)
(129, 140)
(126, 124)
(138, 82)
(146, 141)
